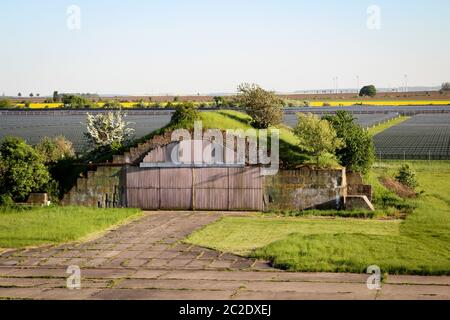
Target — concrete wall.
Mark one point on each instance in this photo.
(305, 188)
(102, 188)
(300, 189)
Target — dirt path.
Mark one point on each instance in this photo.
(145, 260)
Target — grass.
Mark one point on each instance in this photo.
(290, 154)
(23, 227)
(384, 126)
(420, 244)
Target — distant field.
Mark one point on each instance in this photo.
(332, 103)
(338, 103)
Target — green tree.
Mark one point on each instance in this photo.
(112, 104)
(218, 101)
(55, 149)
(22, 169)
(76, 102)
(56, 97)
(369, 91)
(316, 136)
(185, 115)
(358, 151)
(5, 103)
(265, 108)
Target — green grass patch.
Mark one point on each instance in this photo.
(290, 153)
(420, 244)
(23, 227)
(384, 126)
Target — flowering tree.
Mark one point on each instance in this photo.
(108, 130)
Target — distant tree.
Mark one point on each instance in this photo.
(445, 87)
(316, 136)
(112, 104)
(38, 94)
(77, 102)
(219, 101)
(56, 97)
(141, 104)
(358, 151)
(5, 103)
(185, 115)
(176, 99)
(108, 130)
(31, 95)
(19, 94)
(22, 169)
(369, 91)
(263, 106)
(55, 149)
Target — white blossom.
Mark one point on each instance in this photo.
(107, 129)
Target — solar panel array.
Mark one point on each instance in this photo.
(424, 136)
(34, 128)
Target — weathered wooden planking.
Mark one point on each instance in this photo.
(195, 188)
(242, 199)
(211, 199)
(246, 178)
(176, 199)
(142, 178)
(147, 199)
(211, 178)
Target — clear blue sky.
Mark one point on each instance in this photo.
(175, 46)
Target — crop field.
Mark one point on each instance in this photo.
(34, 128)
(424, 136)
(364, 120)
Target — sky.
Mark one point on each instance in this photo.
(206, 46)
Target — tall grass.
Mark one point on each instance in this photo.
(20, 227)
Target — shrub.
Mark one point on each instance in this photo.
(55, 149)
(22, 169)
(108, 130)
(6, 200)
(265, 108)
(369, 91)
(407, 177)
(185, 115)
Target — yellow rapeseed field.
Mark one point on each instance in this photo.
(336, 103)
(380, 103)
